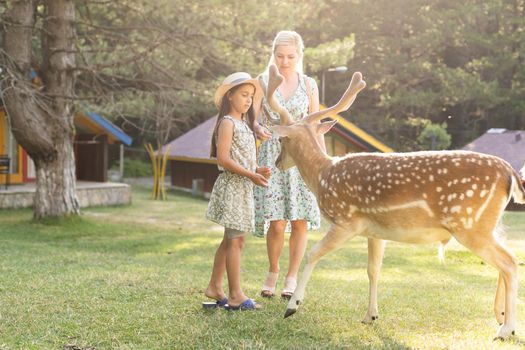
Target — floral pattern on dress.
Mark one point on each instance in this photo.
(287, 197)
(231, 201)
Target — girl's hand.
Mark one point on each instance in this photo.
(264, 171)
(262, 133)
(259, 180)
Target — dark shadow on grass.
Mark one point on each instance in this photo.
(387, 341)
(516, 340)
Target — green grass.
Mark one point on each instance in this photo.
(133, 278)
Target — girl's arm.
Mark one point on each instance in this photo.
(224, 142)
(315, 108)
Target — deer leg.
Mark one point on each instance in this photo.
(333, 239)
(376, 248)
(499, 301)
(498, 256)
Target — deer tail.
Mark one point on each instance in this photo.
(518, 186)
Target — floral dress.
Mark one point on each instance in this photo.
(286, 197)
(231, 200)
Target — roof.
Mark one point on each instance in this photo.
(100, 125)
(194, 145)
(506, 144)
(357, 136)
(91, 121)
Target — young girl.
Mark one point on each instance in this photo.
(231, 201)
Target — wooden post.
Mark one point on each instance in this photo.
(158, 163)
(121, 162)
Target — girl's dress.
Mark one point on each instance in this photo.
(286, 197)
(231, 200)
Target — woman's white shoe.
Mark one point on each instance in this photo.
(268, 288)
(290, 283)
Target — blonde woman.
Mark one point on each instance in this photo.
(286, 204)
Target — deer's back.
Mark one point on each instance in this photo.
(451, 190)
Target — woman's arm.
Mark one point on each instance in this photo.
(224, 142)
(260, 131)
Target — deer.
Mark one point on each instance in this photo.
(414, 197)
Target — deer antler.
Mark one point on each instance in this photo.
(357, 84)
(275, 79)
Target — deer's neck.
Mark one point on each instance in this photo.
(311, 162)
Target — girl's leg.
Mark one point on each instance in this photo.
(274, 247)
(234, 248)
(214, 290)
(297, 246)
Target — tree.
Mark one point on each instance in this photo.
(42, 117)
(120, 58)
(434, 137)
(438, 60)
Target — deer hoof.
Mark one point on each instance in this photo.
(289, 312)
(500, 338)
(369, 319)
(504, 333)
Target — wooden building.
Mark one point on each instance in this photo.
(93, 136)
(190, 160)
(506, 144)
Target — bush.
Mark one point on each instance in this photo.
(435, 137)
(136, 168)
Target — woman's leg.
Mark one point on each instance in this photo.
(275, 243)
(274, 247)
(297, 245)
(214, 290)
(234, 248)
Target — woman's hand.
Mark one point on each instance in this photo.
(259, 180)
(262, 133)
(264, 171)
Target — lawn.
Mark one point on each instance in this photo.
(133, 278)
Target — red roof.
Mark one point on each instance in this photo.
(506, 144)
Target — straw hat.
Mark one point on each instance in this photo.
(233, 80)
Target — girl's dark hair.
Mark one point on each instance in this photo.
(224, 110)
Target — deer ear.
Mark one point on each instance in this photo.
(280, 130)
(325, 127)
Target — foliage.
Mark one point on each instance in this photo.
(156, 64)
(434, 137)
(133, 278)
(153, 66)
(330, 54)
(441, 60)
(137, 168)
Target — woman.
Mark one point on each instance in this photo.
(286, 204)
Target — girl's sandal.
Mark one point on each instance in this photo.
(290, 283)
(268, 289)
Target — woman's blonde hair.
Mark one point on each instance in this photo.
(288, 38)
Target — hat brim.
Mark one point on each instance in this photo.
(224, 88)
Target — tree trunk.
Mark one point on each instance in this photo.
(56, 184)
(42, 116)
